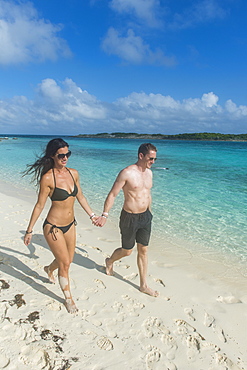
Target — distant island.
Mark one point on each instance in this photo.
(195, 136)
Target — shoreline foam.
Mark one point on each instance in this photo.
(196, 323)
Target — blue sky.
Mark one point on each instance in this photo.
(146, 66)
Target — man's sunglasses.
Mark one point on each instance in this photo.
(62, 155)
(152, 159)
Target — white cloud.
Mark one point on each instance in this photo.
(231, 107)
(49, 89)
(136, 17)
(133, 49)
(154, 13)
(207, 10)
(24, 37)
(164, 111)
(236, 111)
(67, 102)
(210, 99)
(200, 12)
(207, 103)
(66, 108)
(147, 11)
(144, 101)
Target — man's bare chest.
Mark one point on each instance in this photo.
(139, 182)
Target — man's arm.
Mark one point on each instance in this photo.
(150, 196)
(117, 186)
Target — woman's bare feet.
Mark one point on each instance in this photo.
(70, 305)
(108, 267)
(149, 291)
(51, 277)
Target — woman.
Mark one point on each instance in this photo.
(62, 185)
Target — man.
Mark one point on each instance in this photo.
(135, 219)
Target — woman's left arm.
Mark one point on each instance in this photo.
(44, 190)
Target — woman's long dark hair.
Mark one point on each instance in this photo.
(45, 162)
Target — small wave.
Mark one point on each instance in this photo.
(160, 168)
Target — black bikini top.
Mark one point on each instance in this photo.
(62, 194)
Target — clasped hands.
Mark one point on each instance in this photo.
(98, 220)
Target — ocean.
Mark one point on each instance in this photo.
(199, 192)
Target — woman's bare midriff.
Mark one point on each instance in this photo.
(61, 212)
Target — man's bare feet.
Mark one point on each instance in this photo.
(149, 291)
(108, 267)
(50, 274)
(70, 305)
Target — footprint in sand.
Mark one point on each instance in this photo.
(112, 334)
(96, 308)
(206, 346)
(193, 345)
(170, 366)
(154, 326)
(170, 346)
(117, 306)
(155, 360)
(84, 297)
(84, 314)
(54, 306)
(87, 229)
(106, 240)
(110, 325)
(162, 264)
(96, 322)
(35, 357)
(132, 276)
(90, 290)
(81, 244)
(134, 307)
(83, 254)
(105, 344)
(4, 361)
(152, 358)
(121, 316)
(229, 299)
(133, 312)
(20, 332)
(160, 281)
(137, 305)
(126, 296)
(122, 265)
(220, 333)
(208, 319)
(3, 311)
(189, 312)
(225, 361)
(184, 327)
(100, 283)
(97, 249)
(90, 334)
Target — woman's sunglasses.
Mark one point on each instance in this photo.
(62, 155)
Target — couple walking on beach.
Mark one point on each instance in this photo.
(61, 184)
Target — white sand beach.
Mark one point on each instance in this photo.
(199, 321)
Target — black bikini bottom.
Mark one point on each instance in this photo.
(64, 229)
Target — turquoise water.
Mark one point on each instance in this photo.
(199, 201)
